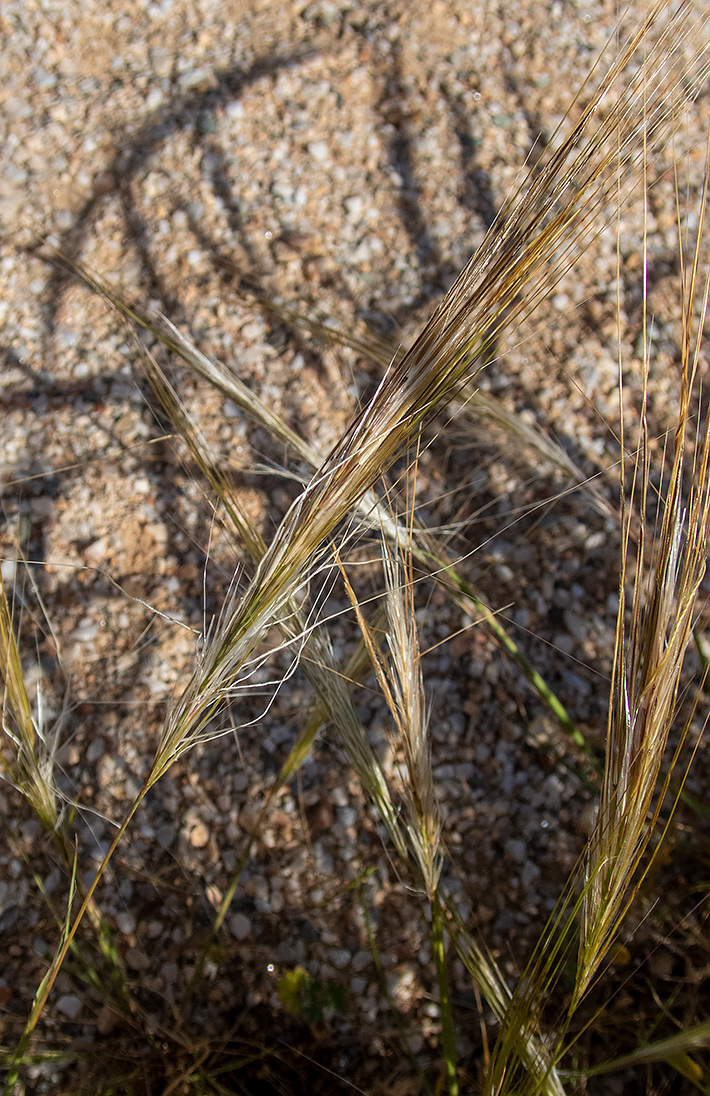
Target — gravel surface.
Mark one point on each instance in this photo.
(348, 158)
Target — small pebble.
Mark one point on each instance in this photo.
(165, 835)
(529, 874)
(194, 78)
(136, 959)
(8, 569)
(318, 150)
(106, 1020)
(249, 818)
(69, 1005)
(361, 960)
(517, 849)
(95, 750)
(43, 79)
(240, 926)
(169, 973)
(199, 836)
(126, 922)
(154, 98)
(339, 957)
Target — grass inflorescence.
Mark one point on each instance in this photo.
(356, 512)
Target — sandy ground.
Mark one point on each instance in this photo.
(348, 158)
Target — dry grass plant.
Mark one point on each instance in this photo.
(584, 182)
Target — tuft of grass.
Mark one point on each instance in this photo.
(540, 231)
(27, 758)
(653, 633)
(651, 647)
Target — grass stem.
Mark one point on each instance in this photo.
(448, 1032)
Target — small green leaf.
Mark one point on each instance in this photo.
(292, 990)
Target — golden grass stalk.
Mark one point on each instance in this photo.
(25, 758)
(525, 1042)
(405, 697)
(476, 957)
(675, 1050)
(400, 677)
(399, 673)
(650, 649)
